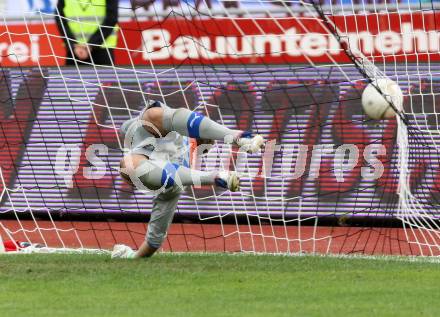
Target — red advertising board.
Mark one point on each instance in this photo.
(397, 37)
(30, 45)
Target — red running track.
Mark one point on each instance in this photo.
(230, 238)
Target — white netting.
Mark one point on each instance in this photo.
(292, 71)
(416, 48)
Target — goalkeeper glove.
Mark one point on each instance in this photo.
(123, 252)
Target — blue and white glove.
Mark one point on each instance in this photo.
(123, 251)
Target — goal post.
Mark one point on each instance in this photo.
(330, 180)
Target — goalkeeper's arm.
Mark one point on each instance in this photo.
(164, 206)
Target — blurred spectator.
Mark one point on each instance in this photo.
(89, 30)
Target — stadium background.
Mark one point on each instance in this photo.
(264, 88)
(48, 110)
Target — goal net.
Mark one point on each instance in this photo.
(330, 179)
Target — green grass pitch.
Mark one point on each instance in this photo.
(216, 285)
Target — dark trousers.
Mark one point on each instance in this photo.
(99, 56)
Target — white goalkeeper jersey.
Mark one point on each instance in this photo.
(173, 147)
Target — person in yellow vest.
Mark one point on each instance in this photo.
(89, 29)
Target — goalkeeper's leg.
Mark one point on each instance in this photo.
(141, 172)
(196, 125)
(155, 174)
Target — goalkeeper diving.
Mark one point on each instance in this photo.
(156, 159)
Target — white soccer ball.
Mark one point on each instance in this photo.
(376, 105)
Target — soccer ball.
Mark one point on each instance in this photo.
(376, 105)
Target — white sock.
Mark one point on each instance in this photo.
(155, 174)
(196, 125)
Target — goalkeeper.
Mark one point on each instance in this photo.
(157, 160)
